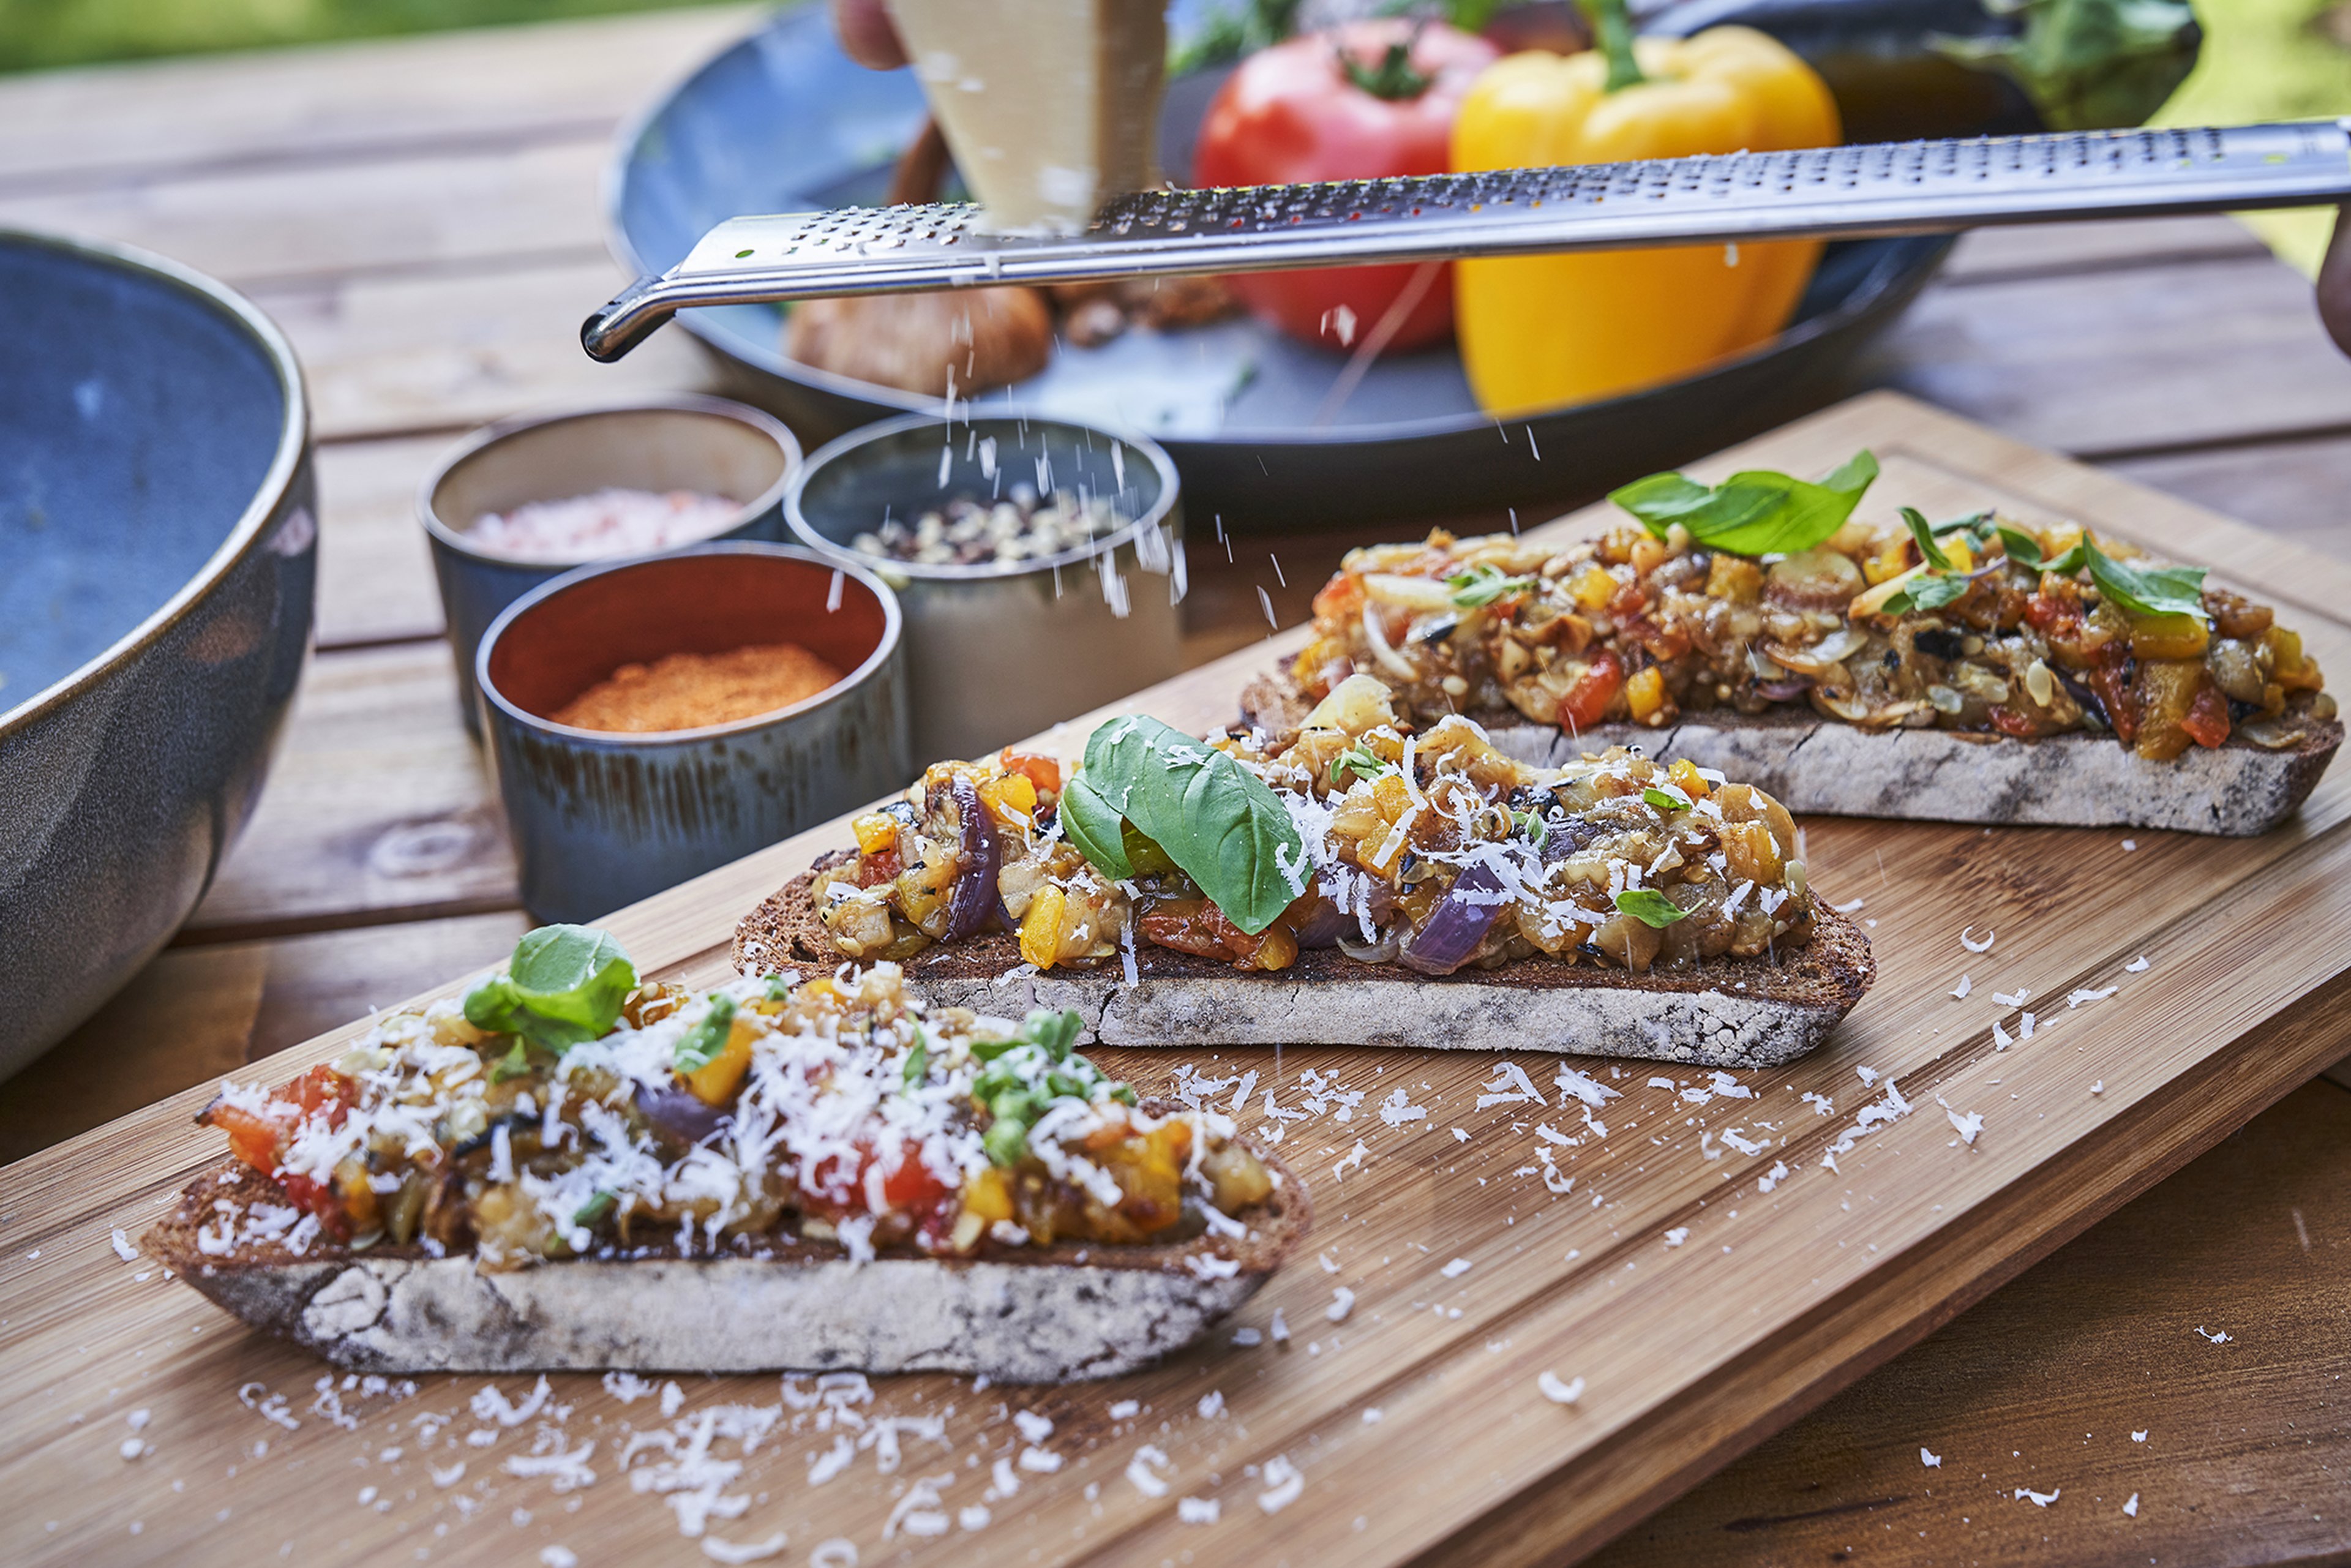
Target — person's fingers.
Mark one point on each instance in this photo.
(867, 34)
(2334, 283)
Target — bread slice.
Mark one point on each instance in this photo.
(1051, 1314)
(1815, 764)
(1726, 1012)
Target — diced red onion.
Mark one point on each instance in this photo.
(680, 1113)
(1458, 924)
(1383, 951)
(1781, 691)
(974, 900)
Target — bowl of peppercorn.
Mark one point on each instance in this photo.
(1039, 563)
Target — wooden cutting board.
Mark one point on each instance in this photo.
(1731, 1250)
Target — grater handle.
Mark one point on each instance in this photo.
(1897, 188)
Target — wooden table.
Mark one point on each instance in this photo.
(354, 190)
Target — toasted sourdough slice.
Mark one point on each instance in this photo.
(1048, 1314)
(1815, 764)
(1725, 1012)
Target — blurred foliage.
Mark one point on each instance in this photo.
(39, 33)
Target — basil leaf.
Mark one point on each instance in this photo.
(1665, 799)
(565, 983)
(1054, 1033)
(1926, 591)
(918, 1060)
(1922, 534)
(700, 1046)
(1221, 823)
(1973, 523)
(513, 1064)
(2147, 589)
(1026, 1074)
(596, 1209)
(1650, 907)
(1754, 513)
(1531, 823)
(1090, 823)
(1482, 584)
(780, 989)
(2024, 548)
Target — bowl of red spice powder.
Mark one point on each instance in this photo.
(652, 719)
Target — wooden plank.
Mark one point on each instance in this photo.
(2294, 488)
(404, 355)
(2044, 250)
(1701, 1308)
(444, 209)
(2081, 1379)
(2093, 364)
(198, 1014)
(514, 85)
(375, 571)
(378, 808)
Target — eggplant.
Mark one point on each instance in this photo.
(975, 902)
(676, 1112)
(1323, 925)
(1459, 923)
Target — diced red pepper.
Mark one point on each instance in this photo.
(881, 866)
(2207, 721)
(1340, 599)
(1043, 771)
(2046, 612)
(2107, 679)
(1586, 702)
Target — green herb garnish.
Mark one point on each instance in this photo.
(780, 988)
(565, 983)
(1217, 822)
(1922, 534)
(1665, 797)
(1649, 906)
(1026, 1074)
(918, 1059)
(700, 1046)
(1482, 584)
(1360, 760)
(2023, 549)
(1929, 590)
(1531, 824)
(596, 1209)
(1755, 513)
(2147, 589)
(513, 1064)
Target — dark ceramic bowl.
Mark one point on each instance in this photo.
(678, 442)
(602, 820)
(997, 652)
(158, 554)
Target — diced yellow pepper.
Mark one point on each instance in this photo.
(2168, 636)
(1955, 549)
(989, 1195)
(1594, 588)
(1734, 578)
(1040, 928)
(1645, 693)
(1390, 796)
(875, 831)
(1686, 777)
(714, 1082)
(1012, 798)
(1890, 562)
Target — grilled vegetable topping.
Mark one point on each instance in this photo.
(1430, 849)
(1760, 593)
(742, 1119)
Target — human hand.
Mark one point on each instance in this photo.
(867, 34)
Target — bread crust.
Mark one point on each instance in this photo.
(1722, 1013)
(1051, 1314)
(1817, 766)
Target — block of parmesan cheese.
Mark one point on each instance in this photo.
(1050, 107)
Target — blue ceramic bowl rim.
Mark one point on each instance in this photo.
(497, 431)
(892, 628)
(293, 441)
(844, 448)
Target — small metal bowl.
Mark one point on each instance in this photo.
(601, 820)
(998, 651)
(678, 442)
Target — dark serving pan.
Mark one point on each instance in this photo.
(781, 120)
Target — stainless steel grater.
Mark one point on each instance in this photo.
(1890, 188)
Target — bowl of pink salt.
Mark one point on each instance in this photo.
(521, 502)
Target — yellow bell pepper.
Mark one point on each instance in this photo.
(1540, 331)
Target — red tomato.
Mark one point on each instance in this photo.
(1043, 771)
(1291, 112)
(1586, 702)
